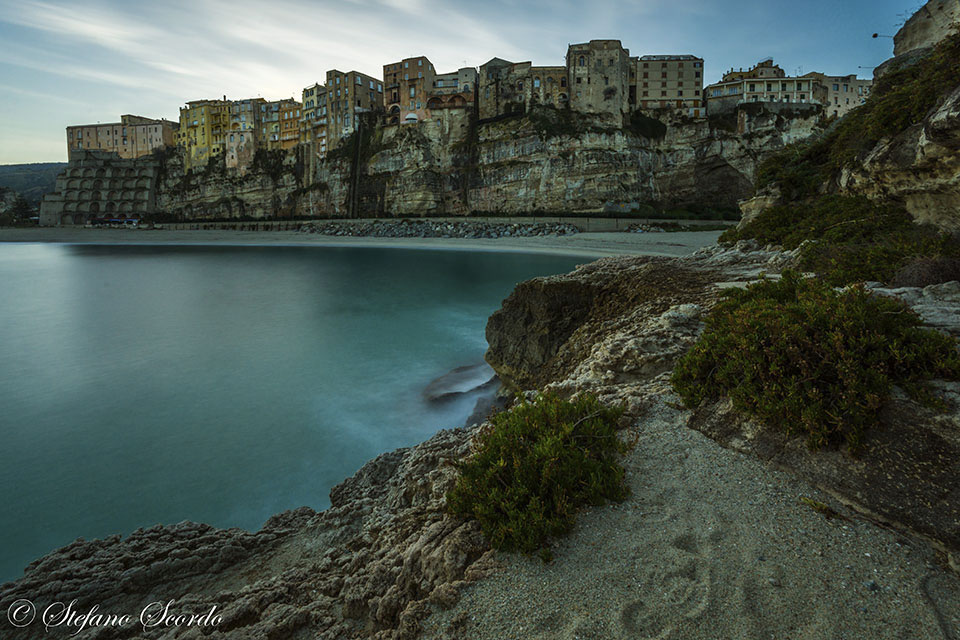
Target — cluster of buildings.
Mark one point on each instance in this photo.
(599, 77)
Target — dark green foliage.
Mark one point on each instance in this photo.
(853, 238)
(535, 465)
(21, 208)
(645, 126)
(33, 181)
(804, 358)
(550, 122)
(269, 162)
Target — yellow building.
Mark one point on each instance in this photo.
(290, 112)
(204, 125)
(132, 137)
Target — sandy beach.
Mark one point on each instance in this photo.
(594, 245)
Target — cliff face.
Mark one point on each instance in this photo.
(920, 167)
(546, 161)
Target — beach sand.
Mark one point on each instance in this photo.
(581, 244)
(711, 544)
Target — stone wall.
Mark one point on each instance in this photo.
(99, 185)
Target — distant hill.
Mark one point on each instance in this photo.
(32, 180)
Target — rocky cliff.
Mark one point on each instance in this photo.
(544, 161)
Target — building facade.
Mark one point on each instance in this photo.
(132, 137)
(290, 112)
(204, 125)
(841, 94)
(599, 75)
(407, 84)
(767, 82)
(673, 82)
(100, 186)
(243, 140)
(454, 90)
(313, 122)
(349, 94)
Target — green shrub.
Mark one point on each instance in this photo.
(535, 465)
(852, 238)
(804, 358)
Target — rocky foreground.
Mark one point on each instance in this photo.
(385, 560)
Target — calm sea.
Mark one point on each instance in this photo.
(143, 385)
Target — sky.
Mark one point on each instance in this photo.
(89, 61)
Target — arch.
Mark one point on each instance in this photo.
(563, 97)
(394, 120)
(466, 86)
(100, 173)
(128, 195)
(143, 183)
(84, 195)
(79, 219)
(73, 195)
(89, 173)
(73, 183)
(70, 206)
(86, 184)
(83, 206)
(94, 207)
(122, 216)
(435, 102)
(130, 184)
(395, 109)
(457, 101)
(112, 195)
(66, 219)
(111, 207)
(520, 86)
(98, 184)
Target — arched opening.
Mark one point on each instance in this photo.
(435, 103)
(79, 219)
(395, 120)
(95, 207)
(98, 184)
(457, 101)
(100, 174)
(73, 184)
(66, 219)
(111, 207)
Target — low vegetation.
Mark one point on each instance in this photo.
(849, 239)
(807, 359)
(535, 466)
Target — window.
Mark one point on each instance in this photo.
(406, 65)
(413, 92)
(680, 94)
(582, 61)
(836, 87)
(338, 79)
(536, 83)
(646, 93)
(696, 75)
(520, 86)
(419, 63)
(406, 76)
(646, 65)
(420, 74)
(563, 82)
(379, 88)
(663, 94)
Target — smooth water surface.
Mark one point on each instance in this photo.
(153, 384)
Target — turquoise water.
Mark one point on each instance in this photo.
(143, 385)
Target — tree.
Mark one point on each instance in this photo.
(21, 209)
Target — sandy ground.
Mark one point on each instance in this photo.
(711, 545)
(581, 244)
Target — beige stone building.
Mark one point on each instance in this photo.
(349, 94)
(132, 137)
(512, 87)
(313, 122)
(673, 82)
(768, 82)
(243, 139)
(840, 94)
(454, 90)
(599, 75)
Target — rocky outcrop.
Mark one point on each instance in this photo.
(366, 567)
(933, 22)
(919, 167)
(617, 327)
